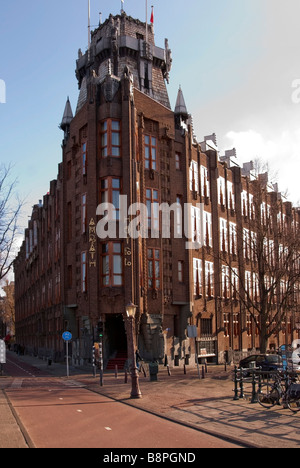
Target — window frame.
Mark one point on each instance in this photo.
(83, 213)
(84, 271)
(110, 190)
(84, 156)
(153, 201)
(108, 147)
(197, 275)
(151, 162)
(111, 255)
(152, 261)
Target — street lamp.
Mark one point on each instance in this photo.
(135, 389)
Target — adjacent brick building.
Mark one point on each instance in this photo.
(125, 140)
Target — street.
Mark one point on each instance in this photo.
(56, 412)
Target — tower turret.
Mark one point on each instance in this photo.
(121, 42)
(67, 119)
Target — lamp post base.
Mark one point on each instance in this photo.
(135, 388)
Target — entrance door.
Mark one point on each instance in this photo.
(115, 333)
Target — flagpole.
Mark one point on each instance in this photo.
(146, 21)
(89, 28)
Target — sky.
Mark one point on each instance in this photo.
(237, 61)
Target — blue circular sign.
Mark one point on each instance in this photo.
(67, 336)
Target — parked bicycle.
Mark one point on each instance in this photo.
(283, 390)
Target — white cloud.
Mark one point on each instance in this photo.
(282, 154)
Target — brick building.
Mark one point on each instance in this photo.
(125, 140)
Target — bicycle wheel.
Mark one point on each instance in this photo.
(268, 396)
(293, 404)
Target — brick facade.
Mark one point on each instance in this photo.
(125, 139)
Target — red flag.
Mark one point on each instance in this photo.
(152, 16)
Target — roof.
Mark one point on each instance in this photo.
(180, 107)
(68, 115)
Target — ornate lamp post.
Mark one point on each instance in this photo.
(135, 389)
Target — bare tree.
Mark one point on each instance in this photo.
(267, 279)
(10, 209)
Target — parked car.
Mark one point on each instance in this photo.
(267, 362)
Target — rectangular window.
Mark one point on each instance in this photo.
(236, 325)
(196, 225)
(230, 201)
(206, 327)
(194, 177)
(83, 214)
(152, 204)
(207, 229)
(246, 243)
(249, 325)
(84, 158)
(244, 201)
(180, 271)
(223, 235)
(226, 320)
(209, 279)
(110, 191)
(112, 264)
(225, 282)
(150, 152)
(248, 283)
(197, 269)
(204, 182)
(232, 239)
(153, 268)
(235, 283)
(221, 191)
(111, 138)
(83, 272)
(177, 161)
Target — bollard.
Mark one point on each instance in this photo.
(259, 381)
(236, 390)
(241, 380)
(254, 394)
(116, 371)
(126, 376)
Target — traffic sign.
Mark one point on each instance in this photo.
(2, 352)
(67, 336)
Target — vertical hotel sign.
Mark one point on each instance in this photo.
(92, 243)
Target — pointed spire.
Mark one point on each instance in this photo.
(180, 107)
(68, 115)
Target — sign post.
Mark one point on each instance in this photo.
(67, 336)
(2, 354)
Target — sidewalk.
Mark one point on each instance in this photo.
(10, 433)
(205, 404)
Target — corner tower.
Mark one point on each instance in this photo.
(119, 143)
(121, 42)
